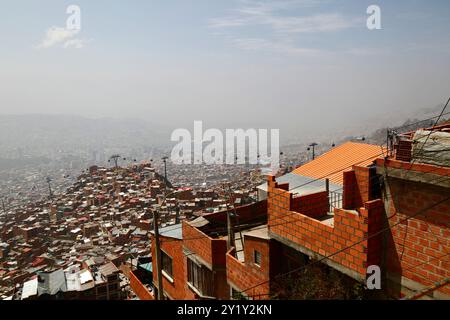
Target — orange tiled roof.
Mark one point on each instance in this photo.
(334, 162)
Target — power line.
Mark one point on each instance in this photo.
(403, 270)
(352, 245)
(420, 121)
(431, 131)
(377, 233)
(355, 164)
(418, 155)
(257, 225)
(222, 229)
(348, 247)
(353, 184)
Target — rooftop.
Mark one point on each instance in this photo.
(261, 232)
(173, 231)
(302, 185)
(108, 269)
(30, 288)
(338, 160)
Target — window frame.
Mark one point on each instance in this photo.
(199, 278)
(257, 255)
(167, 273)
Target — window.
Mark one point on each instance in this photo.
(201, 278)
(166, 262)
(257, 258)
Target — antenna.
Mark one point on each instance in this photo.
(165, 169)
(3, 205)
(49, 180)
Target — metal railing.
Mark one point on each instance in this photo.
(335, 200)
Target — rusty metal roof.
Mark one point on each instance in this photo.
(333, 163)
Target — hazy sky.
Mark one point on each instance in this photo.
(306, 64)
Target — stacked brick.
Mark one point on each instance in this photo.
(319, 239)
(247, 274)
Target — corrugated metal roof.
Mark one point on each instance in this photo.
(302, 185)
(30, 288)
(85, 276)
(173, 231)
(147, 266)
(258, 232)
(51, 282)
(108, 269)
(333, 163)
(199, 222)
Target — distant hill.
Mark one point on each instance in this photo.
(27, 133)
(411, 124)
(374, 129)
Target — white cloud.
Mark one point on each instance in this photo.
(75, 43)
(266, 14)
(283, 26)
(367, 51)
(273, 46)
(316, 23)
(227, 22)
(56, 36)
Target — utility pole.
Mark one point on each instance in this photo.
(115, 158)
(50, 187)
(165, 169)
(387, 141)
(177, 213)
(229, 230)
(230, 239)
(3, 206)
(158, 256)
(313, 145)
(281, 158)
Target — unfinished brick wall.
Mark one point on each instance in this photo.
(247, 274)
(210, 250)
(246, 213)
(313, 205)
(139, 289)
(357, 186)
(213, 252)
(404, 150)
(418, 248)
(320, 239)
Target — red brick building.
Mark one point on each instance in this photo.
(416, 197)
(324, 233)
(206, 242)
(356, 206)
(256, 263)
(205, 259)
(194, 254)
(173, 264)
